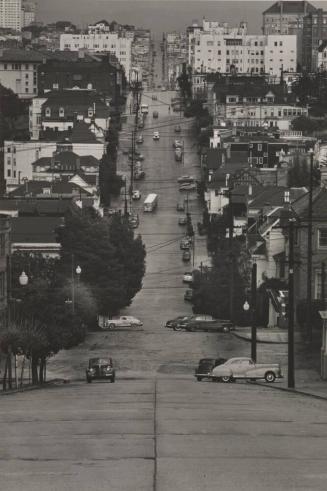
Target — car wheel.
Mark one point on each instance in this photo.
(270, 377)
(177, 328)
(226, 329)
(89, 380)
(199, 379)
(226, 379)
(112, 380)
(111, 325)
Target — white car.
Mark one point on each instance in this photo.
(136, 194)
(245, 368)
(178, 144)
(156, 135)
(139, 139)
(188, 277)
(122, 321)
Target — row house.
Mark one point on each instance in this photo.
(19, 155)
(60, 110)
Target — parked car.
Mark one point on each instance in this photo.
(172, 323)
(136, 194)
(180, 206)
(245, 368)
(188, 277)
(178, 144)
(186, 179)
(188, 295)
(155, 114)
(205, 367)
(185, 244)
(100, 368)
(156, 135)
(154, 97)
(134, 221)
(204, 322)
(139, 174)
(187, 187)
(182, 221)
(186, 256)
(123, 321)
(177, 129)
(139, 139)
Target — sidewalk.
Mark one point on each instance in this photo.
(307, 380)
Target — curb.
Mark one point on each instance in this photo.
(239, 336)
(291, 391)
(28, 388)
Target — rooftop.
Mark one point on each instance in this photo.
(290, 7)
(21, 55)
(35, 229)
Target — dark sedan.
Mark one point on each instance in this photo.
(206, 365)
(204, 322)
(173, 323)
(100, 368)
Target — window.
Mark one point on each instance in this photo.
(26, 90)
(48, 112)
(259, 147)
(8, 172)
(318, 285)
(322, 238)
(61, 112)
(27, 66)
(5, 66)
(90, 112)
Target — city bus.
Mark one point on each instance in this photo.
(150, 202)
(144, 108)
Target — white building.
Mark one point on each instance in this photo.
(19, 156)
(219, 48)
(280, 54)
(18, 71)
(109, 42)
(11, 14)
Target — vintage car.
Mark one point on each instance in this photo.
(178, 144)
(100, 368)
(186, 179)
(136, 194)
(186, 257)
(185, 244)
(203, 322)
(156, 135)
(205, 367)
(180, 206)
(245, 368)
(188, 295)
(182, 221)
(123, 321)
(188, 277)
(187, 187)
(172, 323)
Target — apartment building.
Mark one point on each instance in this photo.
(109, 42)
(220, 48)
(287, 18)
(11, 14)
(314, 32)
(19, 71)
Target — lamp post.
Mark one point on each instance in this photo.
(76, 272)
(253, 306)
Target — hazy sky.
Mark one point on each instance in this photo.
(157, 15)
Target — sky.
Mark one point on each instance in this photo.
(157, 15)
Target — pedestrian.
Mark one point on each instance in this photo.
(169, 109)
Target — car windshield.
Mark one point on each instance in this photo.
(100, 361)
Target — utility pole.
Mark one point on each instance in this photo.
(309, 262)
(253, 312)
(73, 286)
(137, 91)
(230, 243)
(323, 282)
(291, 380)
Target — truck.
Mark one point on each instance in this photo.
(144, 108)
(150, 202)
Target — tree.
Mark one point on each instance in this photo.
(305, 124)
(40, 321)
(299, 173)
(112, 260)
(184, 83)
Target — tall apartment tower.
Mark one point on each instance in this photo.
(314, 32)
(287, 18)
(11, 14)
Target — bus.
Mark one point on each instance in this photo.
(144, 108)
(150, 202)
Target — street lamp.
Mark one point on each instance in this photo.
(23, 279)
(246, 306)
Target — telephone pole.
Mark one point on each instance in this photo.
(230, 243)
(309, 262)
(136, 87)
(253, 312)
(291, 378)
